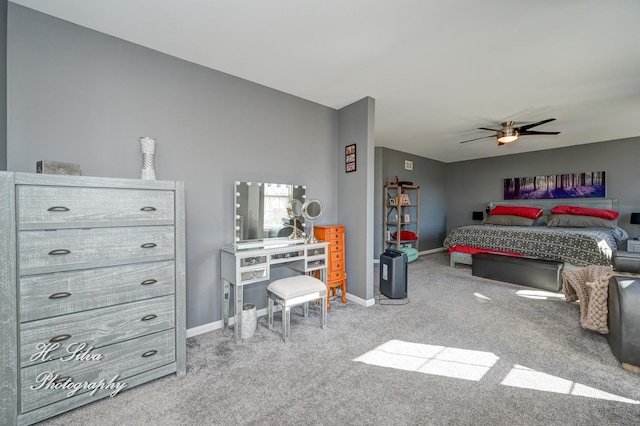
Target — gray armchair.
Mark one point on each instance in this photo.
(624, 310)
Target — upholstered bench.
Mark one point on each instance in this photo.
(292, 291)
(624, 310)
(538, 273)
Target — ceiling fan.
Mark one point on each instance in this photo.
(510, 132)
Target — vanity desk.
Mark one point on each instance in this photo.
(247, 264)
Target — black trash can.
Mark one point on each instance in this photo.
(393, 274)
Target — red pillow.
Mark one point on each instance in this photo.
(530, 212)
(406, 235)
(586, 211)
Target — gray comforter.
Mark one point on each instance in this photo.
(579, 246)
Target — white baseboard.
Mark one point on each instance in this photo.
(360, 301)
(430, 251)
(217, 325)
(205, 328)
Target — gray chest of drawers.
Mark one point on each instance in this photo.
(92, 289)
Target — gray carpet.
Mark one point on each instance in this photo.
(314, 380)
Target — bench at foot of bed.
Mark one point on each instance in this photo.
(458, 257)
(543, 274)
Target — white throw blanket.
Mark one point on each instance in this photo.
(590, 285)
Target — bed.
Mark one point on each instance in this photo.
(575, 247)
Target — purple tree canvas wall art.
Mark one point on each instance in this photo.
(571, 185)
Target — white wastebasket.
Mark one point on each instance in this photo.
(249, 320)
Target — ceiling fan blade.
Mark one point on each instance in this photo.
(485, 128)
(534, 132)
(484, 137)
(528, 126)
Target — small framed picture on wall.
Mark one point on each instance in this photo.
(350, 158)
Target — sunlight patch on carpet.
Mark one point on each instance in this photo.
(539, 294)
(481, 296)
(429, 359)
(473, 365)
(523, 377)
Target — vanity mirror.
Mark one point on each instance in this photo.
(294, 210)
(261, 212)
(311, 210)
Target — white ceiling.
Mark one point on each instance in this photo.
(437, 69)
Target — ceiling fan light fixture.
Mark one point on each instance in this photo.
(507, 136)
(510, 132)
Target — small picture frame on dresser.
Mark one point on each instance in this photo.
(57, 168)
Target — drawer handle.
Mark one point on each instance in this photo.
(59, 295)
(58, 209)
(149, 353)
(148, 245)
(62, 379)
(59, 252)
(59, 338)
(149, 317)
(149, 282)
(148, 209)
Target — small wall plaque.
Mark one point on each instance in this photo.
(350, 158)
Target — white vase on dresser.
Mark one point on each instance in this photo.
(148, 148)
(92, 289)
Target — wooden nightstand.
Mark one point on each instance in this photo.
(633, 245)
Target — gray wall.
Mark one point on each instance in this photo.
(80, 96)
(430, 176)
(3, 84)
(471, 184)
(355, 196)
